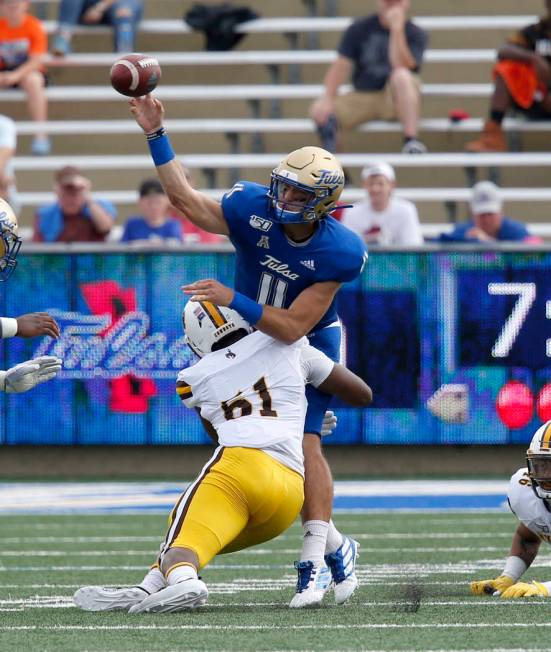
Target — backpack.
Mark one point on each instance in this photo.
(218, 22)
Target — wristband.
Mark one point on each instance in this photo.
(160, 147)
(247, 308)
(8, 327)
(514, 567)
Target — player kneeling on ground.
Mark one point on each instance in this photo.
(251, 388)
(530, 500)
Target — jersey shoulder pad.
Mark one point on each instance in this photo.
(243, 201)
(350, 251)
(187, 385)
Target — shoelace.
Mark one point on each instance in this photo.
(304, 569)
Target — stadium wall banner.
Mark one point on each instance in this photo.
(456, 345)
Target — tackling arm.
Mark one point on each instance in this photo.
(350, 388)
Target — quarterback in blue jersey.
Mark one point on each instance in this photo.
(292, 258)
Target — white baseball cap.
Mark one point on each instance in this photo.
(384, 169)
(485, 198)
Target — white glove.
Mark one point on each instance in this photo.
(329, 423)
(26, 375)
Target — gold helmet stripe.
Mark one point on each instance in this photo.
(213, 312)
(546, 438)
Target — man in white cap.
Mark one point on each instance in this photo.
(382, 218)
(488, 224)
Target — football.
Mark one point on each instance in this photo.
(135, 75)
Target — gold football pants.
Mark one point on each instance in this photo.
(241, 498)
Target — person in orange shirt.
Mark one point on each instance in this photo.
(23, 44)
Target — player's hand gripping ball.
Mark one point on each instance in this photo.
(135, 75)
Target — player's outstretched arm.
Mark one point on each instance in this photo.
(204, 212)
(350, 388)
(27, 375)
(33, 324)
(524, 548)
(285, 324)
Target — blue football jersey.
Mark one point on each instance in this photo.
(271, 268)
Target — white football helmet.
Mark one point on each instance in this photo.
(10, 242)
(538, 460)
(313, 170)
(206, 324)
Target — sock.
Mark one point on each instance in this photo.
(497, 116)
(154, 581)
(181, 573)
(313, 543)
(334, 539)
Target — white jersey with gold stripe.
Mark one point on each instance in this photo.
(527, 507)
(253, 393)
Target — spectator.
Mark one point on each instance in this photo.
(193, 234)
(488, 223)
(23, 44)
(522, 81)
(123, 15)
(76, 216)
(8, 140)
(383, 218)
(154, 223)
(383, 52)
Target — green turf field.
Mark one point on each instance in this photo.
(414, 575)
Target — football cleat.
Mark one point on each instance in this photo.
(312, 584)
(342, 564)
(104, 598)
(177, 597)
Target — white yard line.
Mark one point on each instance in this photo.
(255, 552)
(63, 601)
(257, 627)
(355, 535)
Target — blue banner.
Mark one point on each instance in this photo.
(455, 344)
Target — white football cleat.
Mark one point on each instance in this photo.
(342, 564)
(176, 597)
(105, 598)
(313, 582)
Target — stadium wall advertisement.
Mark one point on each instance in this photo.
(456, 345)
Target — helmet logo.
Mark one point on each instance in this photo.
(328, 177)
(200, 314)
(293, 176)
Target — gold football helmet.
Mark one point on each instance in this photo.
(10, 242)
(538, 460)
(318, 180)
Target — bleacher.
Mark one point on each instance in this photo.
(232, 114)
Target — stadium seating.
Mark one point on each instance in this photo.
(275, 72)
